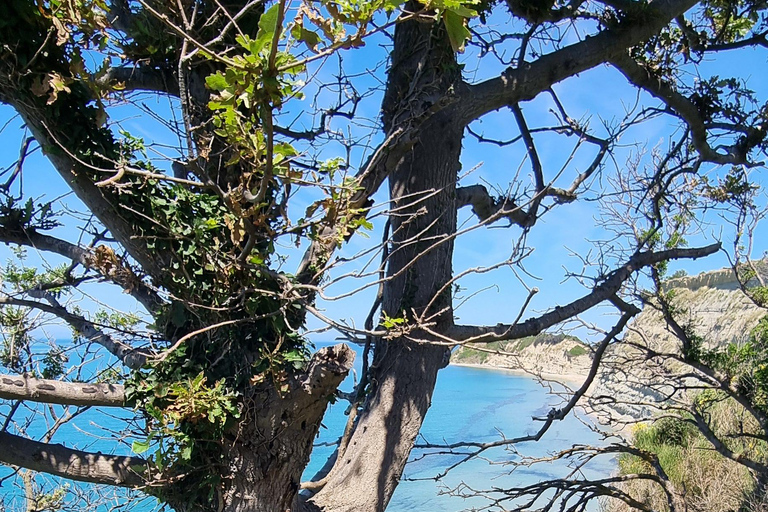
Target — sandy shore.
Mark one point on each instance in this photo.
(570, 379)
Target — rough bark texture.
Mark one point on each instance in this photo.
(271, 447)
(14, 387)
(425, 110)
(73, 464)
(403, 372)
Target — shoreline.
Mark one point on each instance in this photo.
(568, 379)
(571, 381)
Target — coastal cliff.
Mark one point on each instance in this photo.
(548, 355)
(630, 384)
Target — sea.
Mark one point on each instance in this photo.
(482, 405)
(469, 404)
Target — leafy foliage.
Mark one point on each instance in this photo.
(746, 364)
(688, 459)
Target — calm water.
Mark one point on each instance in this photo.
(478, 405)
(468, 404)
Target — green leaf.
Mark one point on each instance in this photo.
(186, 453)
(217, 82)
(457, 30)
(267, 27)
(285, 149)
(140, 447)
(308, 37)
(463, 11)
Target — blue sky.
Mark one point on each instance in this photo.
(599, 95)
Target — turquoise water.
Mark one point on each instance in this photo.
(473, 404)
(469, 404)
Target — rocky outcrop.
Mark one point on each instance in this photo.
(712, 304)
(549, 355)
(631, 384)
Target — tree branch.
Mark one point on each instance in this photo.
(553, 415)
(386, 157)
(604, 291)
(140, 78)
(758, 39)
(101, 260)
(488, 208)
(740, 458)
(14, 387)
(130, 356)
(59, 460)
(102, 206)
(682, 106)
(526, 81)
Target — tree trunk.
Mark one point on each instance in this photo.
(270, 448)
(404, 372)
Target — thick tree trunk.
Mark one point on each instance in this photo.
(271, 446)
(404, 372)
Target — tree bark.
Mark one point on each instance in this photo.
(56, 459)
(270, 448)
(404, 372)
(22, 387)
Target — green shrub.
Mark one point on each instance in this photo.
(523, 343)
(577, 350)
(667, 431)
(711, 482)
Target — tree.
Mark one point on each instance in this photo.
(683, 393)
(694, 386)
(222, 374)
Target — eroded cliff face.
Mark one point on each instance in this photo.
(548, 355)
(631, 384)
(712, 303)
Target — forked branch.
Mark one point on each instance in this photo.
(686, 110)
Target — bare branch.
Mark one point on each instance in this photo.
(552, 416)
(14, 387)
(131, 357)
(488, 208)
(77, 465)
(681, 105)
(101, 259)
(386, 157)
(526, 81)
(140, 78)
(604, 291)
(703, 425)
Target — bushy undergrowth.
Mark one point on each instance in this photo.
(709, 481)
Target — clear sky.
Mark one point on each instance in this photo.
(598, 96)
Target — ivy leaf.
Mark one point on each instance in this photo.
(455, 25)
(178, 314)
(185, 453)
